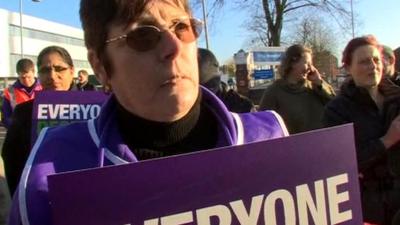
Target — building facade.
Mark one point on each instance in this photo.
(37, 34)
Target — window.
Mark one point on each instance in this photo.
(46, 36)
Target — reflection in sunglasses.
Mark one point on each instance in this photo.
(146, 37)
(48, 69)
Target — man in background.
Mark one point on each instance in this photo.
(21, 91)
(210, 77)
(83, 81)
(389, 69)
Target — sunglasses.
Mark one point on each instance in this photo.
(47, 69)
(146, 37)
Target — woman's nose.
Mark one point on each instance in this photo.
(170, 45)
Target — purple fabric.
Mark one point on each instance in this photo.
(133, 193)
(71, 147)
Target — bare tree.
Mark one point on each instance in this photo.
(314, 33)
(269, 16)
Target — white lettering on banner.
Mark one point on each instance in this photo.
(305, 201)
(177, 219)
(296, 207)
(42, 111)
(222, 212)
(289, 210)
(68, 111)
(336, 198)
(240, 211)
(75, 111)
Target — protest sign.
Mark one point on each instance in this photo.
(310, 178)
(53, 108)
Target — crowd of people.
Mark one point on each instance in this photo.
(167, 98)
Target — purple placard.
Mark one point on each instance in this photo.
(309, 178)
(53, 108)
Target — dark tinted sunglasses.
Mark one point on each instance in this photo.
(146, 37)
(47, 69)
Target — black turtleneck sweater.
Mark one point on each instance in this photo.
(150, 139)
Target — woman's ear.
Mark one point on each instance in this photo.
(98, 67)
(72, 71)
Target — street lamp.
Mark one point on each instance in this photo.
(352, 17)
(205, 22)
(21, 27)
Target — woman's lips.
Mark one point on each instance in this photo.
(173, 80)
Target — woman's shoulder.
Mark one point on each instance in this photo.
(340, 100)
(277, 86)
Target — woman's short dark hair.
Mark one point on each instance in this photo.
(97, 16)
(292, 55)
(356, 43)
(55, 49)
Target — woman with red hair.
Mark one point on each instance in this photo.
(372, 103)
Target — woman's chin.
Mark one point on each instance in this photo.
(179, 109)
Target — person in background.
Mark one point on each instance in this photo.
(301, 94)
(56, 72)
(389, 60)
(21, 91)
(210, 77)
(146, 53)
(83, 81)
(397, 56)
(372, 104)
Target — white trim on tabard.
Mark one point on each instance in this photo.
(107, 153)
(240, 130)
(114, 158)
(23, 209)
(93, 133)
(281, 122)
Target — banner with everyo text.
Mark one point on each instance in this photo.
(54, 108)
(305, 179)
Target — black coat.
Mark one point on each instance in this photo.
(235, 102)
(17, 144)
(380, 194)
(86, 87)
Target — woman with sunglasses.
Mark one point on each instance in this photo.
(56, 72)
(372, 103)
(147, 56)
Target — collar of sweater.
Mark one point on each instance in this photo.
(299, 87)
(143, 133)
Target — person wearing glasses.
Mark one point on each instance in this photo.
(144, 52)
(56, 72)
